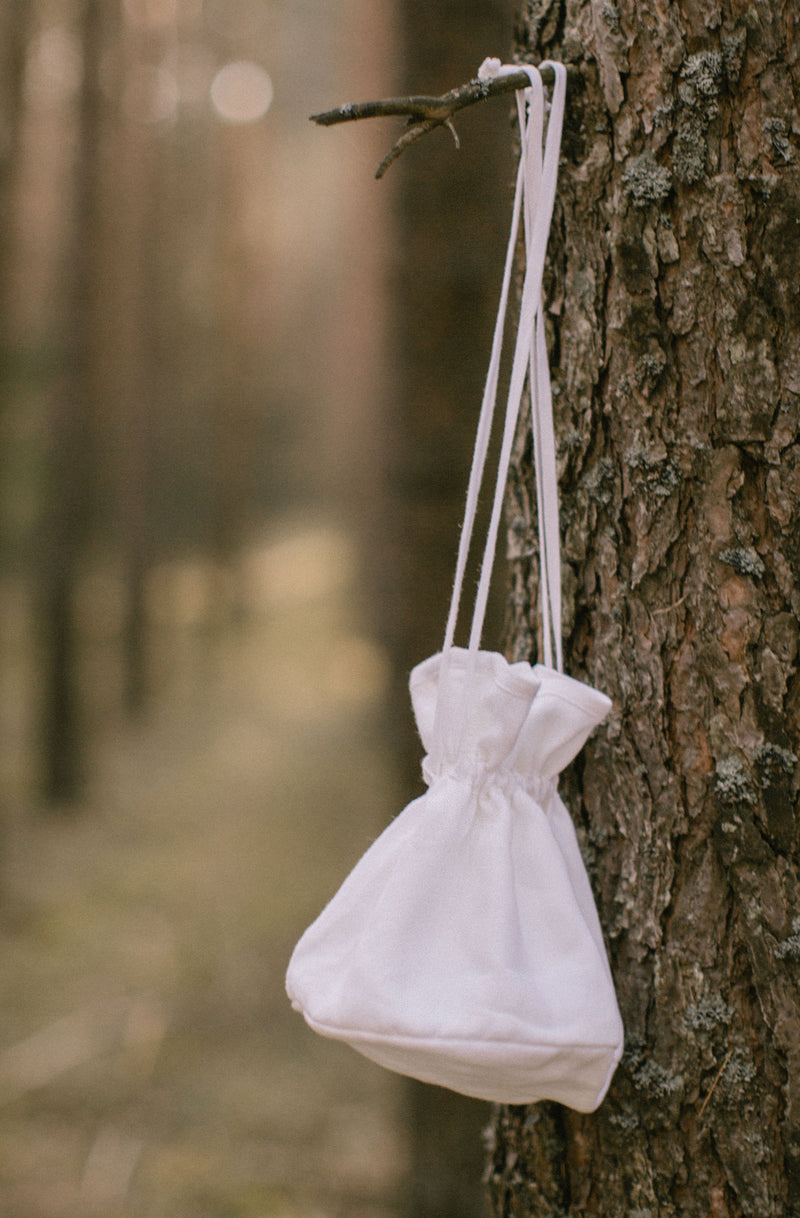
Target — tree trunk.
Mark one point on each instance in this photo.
(675, 347)
(14, 34)
(71, 500)
(137, 245)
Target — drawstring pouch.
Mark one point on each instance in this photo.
(464, 949)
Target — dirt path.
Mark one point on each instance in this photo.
(150, 1064)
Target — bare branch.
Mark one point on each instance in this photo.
(426, 113)
(409, 137)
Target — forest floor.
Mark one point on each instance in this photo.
(150, 1063)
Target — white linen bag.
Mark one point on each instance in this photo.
(464, 948)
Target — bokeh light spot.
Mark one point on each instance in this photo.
(242, 92)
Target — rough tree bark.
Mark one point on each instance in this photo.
(673, 298)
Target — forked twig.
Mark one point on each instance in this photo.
(424, 114)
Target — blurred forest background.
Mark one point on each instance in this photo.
(238, 387)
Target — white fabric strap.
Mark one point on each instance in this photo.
(544, 446)
(534, 178)
(532, 175)
(486, 416)
(533, 199)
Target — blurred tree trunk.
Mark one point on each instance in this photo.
(14, 33)
(135, 244)
(14, 36)
(233, 424)
(72, 458)
(674, 265)
(15, 25)
(453, 215)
